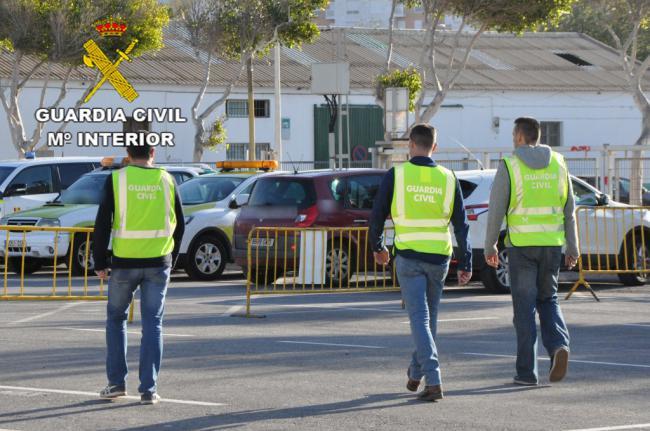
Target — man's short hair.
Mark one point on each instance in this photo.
(139, 151)
(423, 136)
(529, 128)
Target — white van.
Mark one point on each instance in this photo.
(30, 183)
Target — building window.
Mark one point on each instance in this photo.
(240, 151)
(238, 108)
(551, 133)
(130, 125)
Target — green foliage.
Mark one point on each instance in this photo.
(588, 17)
(409, 78)
(55, 30)
(218, 134)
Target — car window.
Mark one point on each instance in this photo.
(204, 190)
(5, 171)
(89, 189)
(337, 187)
(71, 172)
(467, 188)
(584, 195)
(283, 192)
(32, 181)
(361, 191)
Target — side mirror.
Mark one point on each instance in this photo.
(16, 189)
(603, 200)
(239, 201)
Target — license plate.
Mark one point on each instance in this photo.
(16, 243)
(262, 242)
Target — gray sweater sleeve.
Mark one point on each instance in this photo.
(570, 230)
(499, 201)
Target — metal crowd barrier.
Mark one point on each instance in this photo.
(285, 260)
(10, 250)
(613, 240)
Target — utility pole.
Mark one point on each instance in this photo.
(251, 110)
(278, 103)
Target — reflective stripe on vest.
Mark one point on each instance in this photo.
(421, 208)
(537, 199)
(139, 203)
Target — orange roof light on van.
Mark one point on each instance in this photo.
(263, 165)
(112, 161)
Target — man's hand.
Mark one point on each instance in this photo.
(492, 260)
(382, 258)
(464, 277)
(570, 261)
(102, 274)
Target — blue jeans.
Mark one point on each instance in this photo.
(421, 284)
(121, 287)
(534, 273)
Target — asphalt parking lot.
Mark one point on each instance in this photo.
(324, 362)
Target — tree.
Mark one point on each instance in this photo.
(241, 30)
(455, 47)
(627, 26)
(42, 35)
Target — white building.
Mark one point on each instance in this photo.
(570, 82)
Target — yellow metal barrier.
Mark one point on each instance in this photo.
(314, 260)
(613, 240)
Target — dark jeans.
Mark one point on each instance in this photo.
(153, 284)
(534, 273)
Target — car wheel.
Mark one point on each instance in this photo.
(32, 264)
(638, 250)
(206, 258)
(497, 280)
(339, 263)
(79, 256)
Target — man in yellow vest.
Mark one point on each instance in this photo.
(141, 211)
(538, 207)
(423, 198)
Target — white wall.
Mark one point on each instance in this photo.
(588, 119)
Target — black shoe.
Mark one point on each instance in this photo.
(111, 392)
(522, 382)
(412, 384)
(149, 398)
(559, 364)
(431, 393)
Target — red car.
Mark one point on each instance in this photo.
(330, 199)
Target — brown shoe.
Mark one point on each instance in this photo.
(412, 385)
(431, 393)
(559, 364)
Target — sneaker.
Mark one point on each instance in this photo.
(149, 398)
(412, 384)
(559, 364)
(522, 382)
(111, 392)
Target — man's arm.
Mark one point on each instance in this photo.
(381, 211)
(498, 207)
(461, 231)
(570, 229)
(103, 226)
(180, 226)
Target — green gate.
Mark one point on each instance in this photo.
(366, 128)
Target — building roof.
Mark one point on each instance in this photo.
(528, 62)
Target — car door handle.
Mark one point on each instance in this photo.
(361, 220)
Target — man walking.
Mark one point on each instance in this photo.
(143, 211)
(533, 191)
(422, 197)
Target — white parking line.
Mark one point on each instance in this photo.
(616, 364)
(96, 395)
(468, 319)
(620, 427)
(128, 332)
(49, 313)
(638, 325)
(361, 346)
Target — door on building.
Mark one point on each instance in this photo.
(366, 128)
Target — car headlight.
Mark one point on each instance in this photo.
(49, 222)
(188, 219)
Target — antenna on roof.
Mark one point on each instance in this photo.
(293, 165)
(469, 153)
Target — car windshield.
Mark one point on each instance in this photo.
(283, 192)
(86, 190)
(207, 189)
(5, 171)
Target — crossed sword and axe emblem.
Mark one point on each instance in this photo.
(109, 70)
